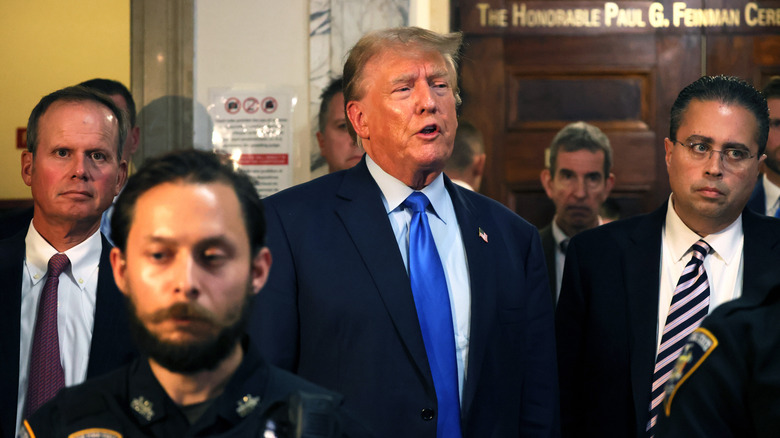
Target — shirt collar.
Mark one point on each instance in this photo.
(680, 238)
(394, 192)
(558, 233)
(771, 192)
(84, 257)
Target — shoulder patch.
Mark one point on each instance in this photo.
(700, 345)
(96, 433)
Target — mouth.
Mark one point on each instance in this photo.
(77, 194)
(710, 192)
(429, 130)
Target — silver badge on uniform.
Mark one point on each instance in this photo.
(143, 407)
(246, 404)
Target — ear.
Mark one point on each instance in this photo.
(609, 183)
(546, 178)
(261, 266)
(478, 168)
(119, 267)
(121, 176)
(27, 165)
(320, 140)
(358, 119)
(668, 146)
(132, 147)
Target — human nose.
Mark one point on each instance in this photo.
(426, 99)
(714, 163)
(580, 190)
(185, 277)
(80, 167)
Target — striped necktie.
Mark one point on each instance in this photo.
(690, 304)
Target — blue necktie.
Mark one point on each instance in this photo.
(431, 298)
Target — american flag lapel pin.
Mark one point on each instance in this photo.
(483, 234)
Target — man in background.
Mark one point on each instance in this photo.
(424, 303)
(634, 289)
(766, 195)
(120, 95)
(467, 162)
(578, 180)
(336, 145)
(62, 315)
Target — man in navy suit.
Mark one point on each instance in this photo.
(620, 284)
(339, 309)
(74, 169)
(766, 195)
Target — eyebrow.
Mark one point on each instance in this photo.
(434, 74)
(727, 145)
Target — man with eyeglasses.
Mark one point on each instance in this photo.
(577, 180)
(633, 290)
(766, 195)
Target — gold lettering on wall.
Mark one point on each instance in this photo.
(616, 15)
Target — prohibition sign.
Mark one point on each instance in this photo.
(232, 105)
(251, 105)
(269, 105)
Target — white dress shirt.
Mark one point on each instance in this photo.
(75, 303)
(771, 196)
(449, 244)
(724, 263)
(560, 256)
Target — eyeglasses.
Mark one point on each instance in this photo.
(732, 158)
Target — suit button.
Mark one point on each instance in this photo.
(427, 414)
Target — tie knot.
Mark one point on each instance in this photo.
(564, 245)
(700, 249)
(417, 201)
(57, 264)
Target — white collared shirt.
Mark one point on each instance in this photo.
(560, 256)
(449, 244)
(771, 196)
(76, 297)
(723, 264)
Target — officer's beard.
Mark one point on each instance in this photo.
(193, 356)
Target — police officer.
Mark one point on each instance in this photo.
(189, 257)
(726, 382)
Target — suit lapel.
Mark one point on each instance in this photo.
(483, 281)
(11, 268)
(642, 261)
(361, 204)
(110, 341)
(761, 255)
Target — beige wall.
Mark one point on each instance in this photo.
(47, 45)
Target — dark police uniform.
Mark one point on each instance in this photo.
(130, 402)
(727, 380)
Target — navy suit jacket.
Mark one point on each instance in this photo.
(111, 345)
(338, 310)
(607, 317)
(757, 201)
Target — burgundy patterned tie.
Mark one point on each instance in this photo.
(46, 375)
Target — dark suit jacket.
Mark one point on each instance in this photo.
(757, 201)
(548, 246)
(111, 345)
(338, 310)
(607, 318)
